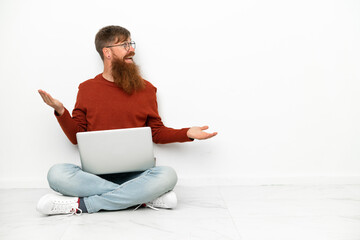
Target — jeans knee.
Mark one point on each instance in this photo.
(59, 174)
(169, 176)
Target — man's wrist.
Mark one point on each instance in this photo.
(188, 135)
(59, 112)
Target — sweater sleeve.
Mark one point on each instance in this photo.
(162, 134)
(75, 123)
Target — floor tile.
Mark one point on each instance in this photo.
(209, 212)
(201, 214)
(295, 212)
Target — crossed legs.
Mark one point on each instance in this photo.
(112, 191)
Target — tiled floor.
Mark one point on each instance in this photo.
(211, 212)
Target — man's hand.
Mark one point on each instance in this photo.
(198, 133)
(52, 102)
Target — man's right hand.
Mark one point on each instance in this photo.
(52, 102)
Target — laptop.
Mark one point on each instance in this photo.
(116, 151)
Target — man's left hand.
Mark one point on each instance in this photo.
(199, 134)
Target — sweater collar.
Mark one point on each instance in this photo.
(103, 80)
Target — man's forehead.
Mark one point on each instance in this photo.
(122, 39)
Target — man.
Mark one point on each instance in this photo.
(117, 98)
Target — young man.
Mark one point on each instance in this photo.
(117, 98)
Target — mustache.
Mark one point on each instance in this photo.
(130, 54)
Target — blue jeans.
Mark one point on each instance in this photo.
(111, 191)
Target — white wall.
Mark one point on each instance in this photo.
(279, 81)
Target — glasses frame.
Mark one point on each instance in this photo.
(125, 45)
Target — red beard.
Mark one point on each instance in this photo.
(127, 75)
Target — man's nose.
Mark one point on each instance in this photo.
(131, 49)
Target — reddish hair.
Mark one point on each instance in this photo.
(110, 35)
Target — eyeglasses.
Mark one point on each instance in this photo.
(125, 45)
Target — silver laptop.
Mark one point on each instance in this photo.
(116, 151)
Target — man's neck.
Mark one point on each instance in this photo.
(107, 75)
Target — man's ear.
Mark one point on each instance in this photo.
(106, 53)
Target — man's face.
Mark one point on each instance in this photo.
(125, 72)
(124, 52)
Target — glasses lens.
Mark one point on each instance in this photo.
(132, 44)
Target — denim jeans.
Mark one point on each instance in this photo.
(111, 191)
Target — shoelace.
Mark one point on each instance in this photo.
(146, 205)
(75, 211)
(64, 207)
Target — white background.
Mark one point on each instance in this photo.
(279, 81)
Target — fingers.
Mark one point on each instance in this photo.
(204, 127)
(202, 135)
(214, 134)
(42, 94)
(45, 96)
(210, 135)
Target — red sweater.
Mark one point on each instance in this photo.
(101, 105)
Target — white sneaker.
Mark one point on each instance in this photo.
(167, 200)
(52, 204)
